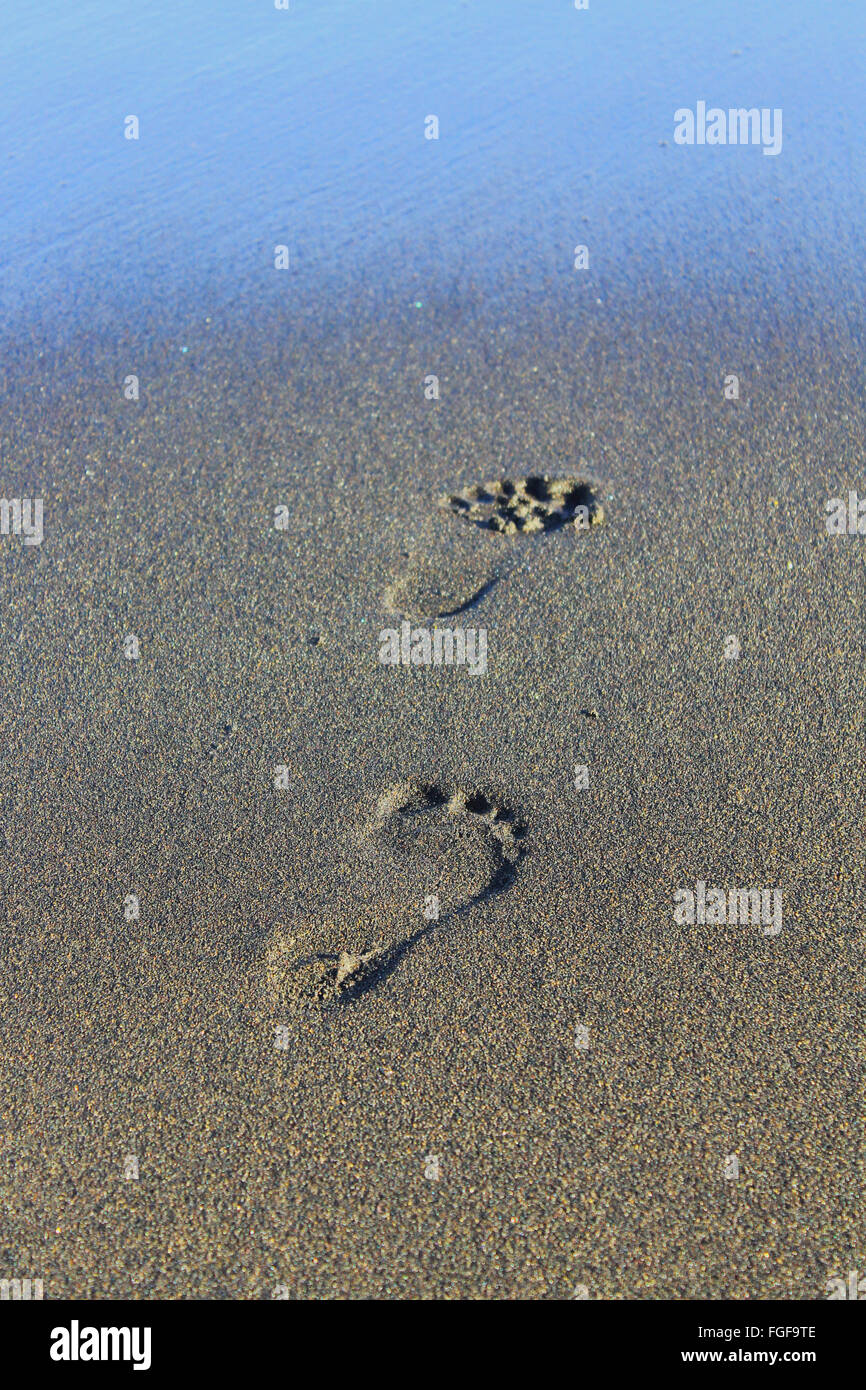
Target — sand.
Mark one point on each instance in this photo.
(538, 1089)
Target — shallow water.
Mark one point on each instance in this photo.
(306, 128)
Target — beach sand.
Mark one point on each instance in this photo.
(432, 1123)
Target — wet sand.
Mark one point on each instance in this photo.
(289, 1140)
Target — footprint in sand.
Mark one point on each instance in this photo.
(444, 585)
(426, 843)
(437, 587)
(431, 838)
(530, 504)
